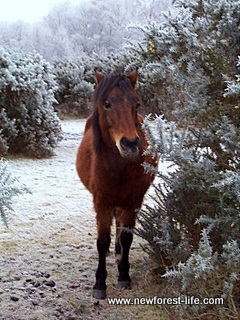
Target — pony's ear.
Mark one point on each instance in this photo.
(98, 76)
(133, 77)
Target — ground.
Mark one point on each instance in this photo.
(48, 255)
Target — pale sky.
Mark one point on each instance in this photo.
(27, 10)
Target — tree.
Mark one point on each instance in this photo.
(92, 27)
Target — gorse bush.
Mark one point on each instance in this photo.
(184, 59)
(193, 227)
(28, 123)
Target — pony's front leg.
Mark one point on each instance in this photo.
(125, 239)
(104, 220)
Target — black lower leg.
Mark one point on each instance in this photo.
(99, 289)
(123, 266)
(117, 248)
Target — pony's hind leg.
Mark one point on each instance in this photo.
(103, 243)
(125, 241)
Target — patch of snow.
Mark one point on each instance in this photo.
(56, 189)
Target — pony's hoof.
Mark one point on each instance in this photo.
(99, 294)
(124, 285)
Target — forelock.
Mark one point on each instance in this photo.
(108, 83)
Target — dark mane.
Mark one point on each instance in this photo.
(97, 134)
(109, 82)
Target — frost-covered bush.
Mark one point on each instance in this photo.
(74, 92)
(111, 63)
(28, 123)
(9, 187)
(193, 223)
(193, 227)
(183, 59)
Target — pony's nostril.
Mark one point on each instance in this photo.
(136, 141)
(129, 144)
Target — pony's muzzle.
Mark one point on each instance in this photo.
(129, 148)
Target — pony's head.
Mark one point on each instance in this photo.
(115, 118)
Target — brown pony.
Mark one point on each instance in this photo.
(110, 164)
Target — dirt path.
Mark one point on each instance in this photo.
(48, 255)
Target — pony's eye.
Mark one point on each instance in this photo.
(107, 104)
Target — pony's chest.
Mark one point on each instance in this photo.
(124, 175)
(120, 186)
